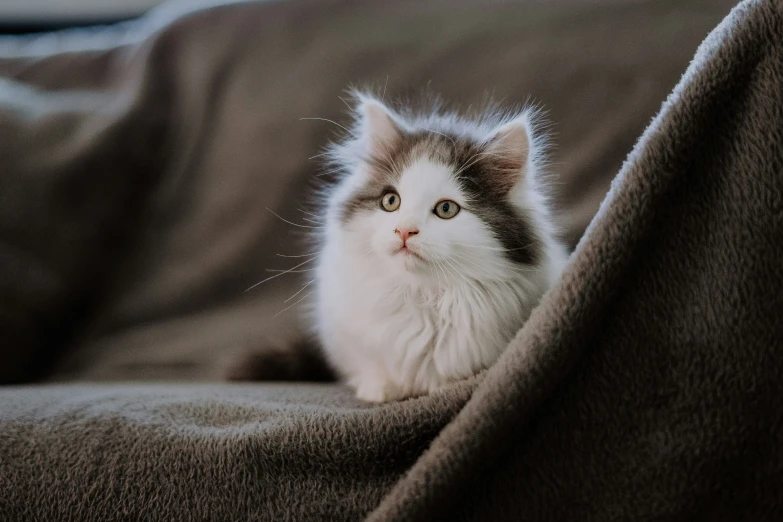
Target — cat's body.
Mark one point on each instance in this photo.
(436, 246)
(417, 338)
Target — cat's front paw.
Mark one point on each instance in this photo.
(377, 391)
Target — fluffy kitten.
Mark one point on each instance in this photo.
(437, 244)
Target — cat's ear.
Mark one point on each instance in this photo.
(511, 143)
(379, 127)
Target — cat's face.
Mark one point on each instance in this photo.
(423, 222)
(429, 207)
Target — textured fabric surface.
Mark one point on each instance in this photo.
(208, 452)
(644, 387)
(141, 168)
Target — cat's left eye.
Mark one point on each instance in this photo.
(446, 209)
(390, 201)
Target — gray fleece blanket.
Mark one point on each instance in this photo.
(644, 387)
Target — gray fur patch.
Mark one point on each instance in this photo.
(485, 179)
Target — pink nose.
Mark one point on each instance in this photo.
(405, 233)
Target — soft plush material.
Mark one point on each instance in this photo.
(644, 387)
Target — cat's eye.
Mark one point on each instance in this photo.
(446, 209)
(390, 201)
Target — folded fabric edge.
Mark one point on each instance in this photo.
(548, 346)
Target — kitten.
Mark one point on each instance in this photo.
(437, 244)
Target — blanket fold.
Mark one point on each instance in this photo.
(644, 387)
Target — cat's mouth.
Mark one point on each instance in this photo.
(408, 252)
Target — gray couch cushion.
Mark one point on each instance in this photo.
(197, 129)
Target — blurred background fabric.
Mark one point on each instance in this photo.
(73, 10)
(26, 16)
(141, 160)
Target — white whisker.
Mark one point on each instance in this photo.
(499, 264)
(302, 255)
(330, 121)
(346, 103)
(445, 277)
(289, 222)
(289, 271)
(440, 284)
(294, 304)
(483, 269)
(299, 291)
(501, 249)
(278, 275)
(468, 281)
(432, 271)
(309, 213)
(482, 293)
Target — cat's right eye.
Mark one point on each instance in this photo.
(390, 201)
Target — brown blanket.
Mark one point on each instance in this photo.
(644, 386)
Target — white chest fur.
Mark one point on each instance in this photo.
(392, 339)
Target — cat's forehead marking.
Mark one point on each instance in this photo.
(386, 170)
(479, 177)
(424, 182)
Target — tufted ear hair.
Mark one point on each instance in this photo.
(511, 143)
(379, 128)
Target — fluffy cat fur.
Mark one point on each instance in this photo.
(406, 301)
(397, 322)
